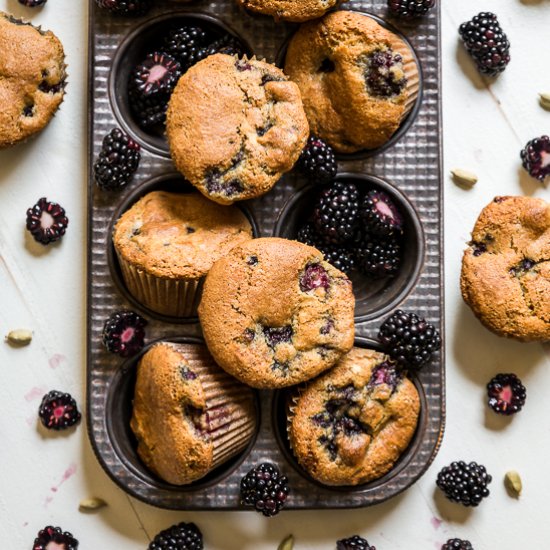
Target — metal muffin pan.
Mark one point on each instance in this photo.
(409, 169)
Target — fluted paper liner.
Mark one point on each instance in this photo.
(411, 70)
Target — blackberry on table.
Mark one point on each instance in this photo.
(457, 544)
(410, 340)
(487, 43)
(354, 543)
(46, 221)
(126, 7)
(410, 8)
(380, 215)
(32, 3)
(158, 73)
(464, 483)
(379, 258)
(318, 161)
(185, 43)
(124, 333)
(183, 536)
(506, 394)
(55, 535)
(265, 488)
(117, 161)
(535, 157)
(58, 411)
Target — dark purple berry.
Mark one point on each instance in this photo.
(307, 234)
(54, 537)
(148, 111)
(354, 543)
(338, 256)
(457, 544)
(124, 333)
(58, 411)
(126, 7)
(183, 536)
(46, 221)
(384, 73)
(277, 335)
(318, 161)
(265, 488)
(379, 258)
(32, 3)
(385, 373)
(380, 215)
(535, 157)
(409, 9)
(506, 394)
(159, 73)
(314, 276)
(185, 43)
(464, 483)
(228, 45)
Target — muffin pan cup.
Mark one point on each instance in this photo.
(408, 168)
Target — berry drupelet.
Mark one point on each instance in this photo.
(354, 543)
(117, 161)
(410, 8)
(457, 544)
(535, 157)
(379, 258)
(32, 3)
(410, 340)
(185, 43)
(46, 221)
(506, 394)
(264, 488)
(338, 256)
(318, 161)
(58, 411)
(464, 483)
(380, 216)
(158, 73)
(148, 111)
(124, 333)
(487, 43)
(50, 536)
(183, 536)
(126, 7)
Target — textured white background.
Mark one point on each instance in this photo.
(43, 476)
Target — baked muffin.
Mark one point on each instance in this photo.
(350, 425)
(506, 269)
(274, 313)
(358, 80)
(167, 242)
(290, 10)
(188, 416)
(32, 79)
(235, 126)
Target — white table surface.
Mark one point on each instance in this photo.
(43, 476)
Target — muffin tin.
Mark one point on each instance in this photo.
(409, 169)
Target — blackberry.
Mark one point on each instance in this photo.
(457, 544)
(56, 536)
(318, 161)
(148, 111)
(46, 221)
(335, 214)
(124, 333)
(338, 256)
(183, 536)
(410, 340)
(184, 44)
(228, 45)
(117, 161)
(380, 215)
(58, 411)
(264, 488)
(354, 543)
(487, 43)
(314, 276)
(506, 394)
(464, 483)
(307, 234)
(32, 3)
(158, 73)
(126, 7)
(410, 8)
(535, 157)
(379, 258)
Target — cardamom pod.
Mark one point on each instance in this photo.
(545, 100)
(91, 504)
(19, 337)
(463, 177)
(287, 543)
(513, 482)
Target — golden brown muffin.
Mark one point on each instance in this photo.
(290, 10)
(350, 425)
(235, 126)
(32, 79)
(358, 80)
(274, 313)
(506, 269)
(188, 415)
(167, 242)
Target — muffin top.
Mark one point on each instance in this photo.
(290, 10)
(358, 80)
(274, 313)
(235, 126)
(506, 269)
(350, 425)
(32, 79)
(178, 235)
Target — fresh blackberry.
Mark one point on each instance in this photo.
(158, 73)
(185, 43)
(46, 221)
(506, 394)
(335, 214)
(379, 258)
(307, 234)
(56, 536)
(535, 157)
(126, 7)
(117, 161)
(228, 45)
(318, 161)
(338, 256)
(124, 333)
(148, 111)
(457, 544)
(464, 483)
(354, 543)
(380, 215)
(410, 8)
(410, 340)
(487, 43)
(32, 3)
(58, 411)
(183, 536)
(264, 488)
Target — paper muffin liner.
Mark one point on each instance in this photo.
(291, 404)
(171, 297)
(411, 71)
